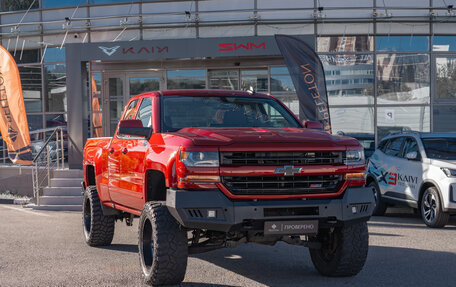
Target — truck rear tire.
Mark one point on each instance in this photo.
(98, 228)
(162, 245)
(343, 252)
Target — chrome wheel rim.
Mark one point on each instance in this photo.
(429, 207)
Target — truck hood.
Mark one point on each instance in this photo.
(265, 136)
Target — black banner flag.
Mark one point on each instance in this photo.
(308, 77)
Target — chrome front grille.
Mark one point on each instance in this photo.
(281, 158)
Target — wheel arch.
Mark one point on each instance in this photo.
(425, 185)
(89, 176)
(154, 185)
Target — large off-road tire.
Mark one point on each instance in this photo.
(380, 206)
(431, 209)
(343, 252)
(163, 249)
(98, 229)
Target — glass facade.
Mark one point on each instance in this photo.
(186, 79)
(382, 74)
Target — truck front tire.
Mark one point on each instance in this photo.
(163, 249)
(343, 252)
(98, 228)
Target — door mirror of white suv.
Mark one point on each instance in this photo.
(413, 155)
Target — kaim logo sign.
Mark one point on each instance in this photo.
(109, 51)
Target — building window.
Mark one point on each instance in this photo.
(444, 43)
(28, 56)
(256, 80)
(55, 88)
(56, 120)
(61, 3)
(402, 43)
(139, 85)
(224, 80)
(186, 79)
(444, 116)
(35, 122)
(445, 78)
(54, 55)
(349, 79)
(13, 5)
(353, 120)
(403, 79)
(345, 44)
(31, 87)
(280, 82)
(399, 119)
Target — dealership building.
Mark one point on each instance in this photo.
(390, 65)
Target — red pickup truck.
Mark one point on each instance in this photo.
(207, 169)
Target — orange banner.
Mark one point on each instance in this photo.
(13, 120)
(96, 112)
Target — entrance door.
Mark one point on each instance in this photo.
(113, 102)
(119, 87)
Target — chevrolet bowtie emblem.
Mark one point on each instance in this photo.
(288, 170)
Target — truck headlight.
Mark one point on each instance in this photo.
(354, 157)
(448, 171)
(200, 158)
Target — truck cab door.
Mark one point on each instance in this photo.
(132, 160)
(114, 158)
(114, 150)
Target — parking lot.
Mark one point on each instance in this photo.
(47, 249)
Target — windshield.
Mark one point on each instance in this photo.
(440, 148)
(223, 111)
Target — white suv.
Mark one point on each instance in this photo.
(417, 170)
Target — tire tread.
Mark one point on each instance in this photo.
(350, 256)
(102, 227)
(170, 246)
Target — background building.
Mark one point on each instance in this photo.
(390, 65)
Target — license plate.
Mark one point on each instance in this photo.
(291, 227)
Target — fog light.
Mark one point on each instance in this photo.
(353, 209)
(211, 213)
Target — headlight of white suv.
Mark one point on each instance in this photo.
(448, 171)
(200, 158)
(354, 157)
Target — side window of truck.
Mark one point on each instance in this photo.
(145, 112)
(129, 112)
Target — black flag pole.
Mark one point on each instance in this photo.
(308, 76)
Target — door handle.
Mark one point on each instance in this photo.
(111, 150)
(124, 150)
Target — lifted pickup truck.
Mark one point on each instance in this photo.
(207, 169)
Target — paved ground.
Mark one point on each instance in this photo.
(47, 249)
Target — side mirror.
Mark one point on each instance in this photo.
(134, 128)
(313, 125)
(413, 155)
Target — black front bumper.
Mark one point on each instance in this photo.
(192, 208)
